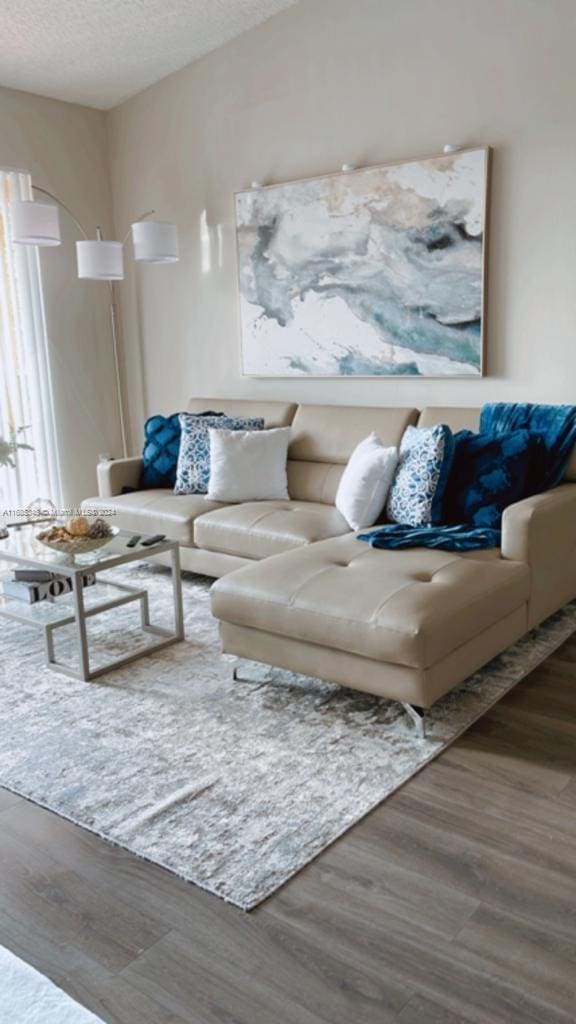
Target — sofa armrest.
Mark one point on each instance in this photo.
(541, 532)
(542, 528)
(113, 476)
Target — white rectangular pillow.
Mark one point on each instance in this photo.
(248, 465)
(365, 483)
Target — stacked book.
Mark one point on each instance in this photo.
(33, 585)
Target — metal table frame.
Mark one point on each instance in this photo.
(128, 594)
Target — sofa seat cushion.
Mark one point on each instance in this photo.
(406, 607)
(258, 529)
(157, 510)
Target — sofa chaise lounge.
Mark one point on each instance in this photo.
(299, 591)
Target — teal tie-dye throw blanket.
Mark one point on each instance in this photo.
(551, 432)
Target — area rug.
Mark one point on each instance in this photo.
(232, 786)
(27, 997)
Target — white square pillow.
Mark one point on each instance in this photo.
(248, 465)
(365, 482)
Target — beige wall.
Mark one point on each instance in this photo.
(326, 82)
(330, 81)
(63, 146)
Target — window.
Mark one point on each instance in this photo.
(26, 404)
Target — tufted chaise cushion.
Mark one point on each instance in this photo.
(411, 610)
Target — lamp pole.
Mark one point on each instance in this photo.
(113, 319)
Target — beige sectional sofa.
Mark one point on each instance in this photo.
(299, 591)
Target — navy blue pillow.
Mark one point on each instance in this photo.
(488, 473)
(161, 448)
(160, 453)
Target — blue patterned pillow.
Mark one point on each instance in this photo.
(160, 454)
(489, 472)
(417, 491)
(193, 470)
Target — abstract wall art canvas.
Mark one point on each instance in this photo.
(369, 273)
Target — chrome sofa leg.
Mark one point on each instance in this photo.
(416, 714)
(239, 678)
(418, 717)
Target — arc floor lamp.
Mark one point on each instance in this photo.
(98, 259)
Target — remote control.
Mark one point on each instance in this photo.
(153, 540)
(133, 540)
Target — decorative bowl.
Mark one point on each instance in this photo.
(78, 545)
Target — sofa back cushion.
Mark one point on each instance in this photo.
(454, 416)
(468, 418)
(324, 437)
(275, 414)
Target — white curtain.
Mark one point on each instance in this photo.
(26, 399)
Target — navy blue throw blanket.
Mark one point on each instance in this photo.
(446, 538)
(556, 427)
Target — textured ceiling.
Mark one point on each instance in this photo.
(100, 52)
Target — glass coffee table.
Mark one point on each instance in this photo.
(22, 549)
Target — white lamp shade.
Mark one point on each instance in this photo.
(155, 241)
(100, 260)
(34, 223)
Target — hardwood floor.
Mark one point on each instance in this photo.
(452, 903)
